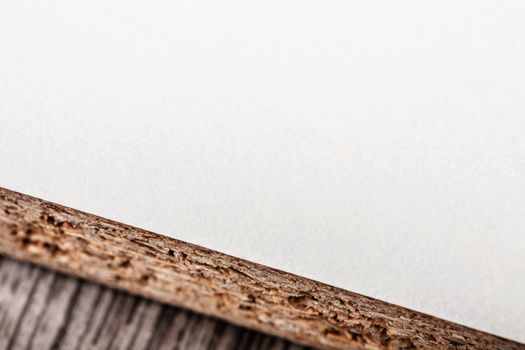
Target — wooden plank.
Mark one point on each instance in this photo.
(51, 311)
(17, 285)
(242, 292)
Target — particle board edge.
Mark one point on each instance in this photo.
(216, 284)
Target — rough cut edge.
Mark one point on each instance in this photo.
(242, 292)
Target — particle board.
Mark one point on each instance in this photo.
(373, 146)
(242, 292)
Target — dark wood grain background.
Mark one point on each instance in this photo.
(41, 309)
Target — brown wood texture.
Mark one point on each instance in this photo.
(245, 293)
(45, 310)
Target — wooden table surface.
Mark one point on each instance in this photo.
(41, 309)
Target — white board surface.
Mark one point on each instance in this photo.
(378, 146)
